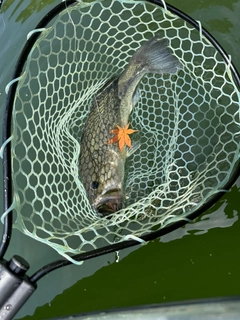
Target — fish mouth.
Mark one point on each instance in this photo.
(109, 202)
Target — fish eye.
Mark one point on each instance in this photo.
(95, 184)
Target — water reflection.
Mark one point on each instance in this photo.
(222, 217)
(22, 10)
(223, 22)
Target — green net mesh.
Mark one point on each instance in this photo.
(188, 125)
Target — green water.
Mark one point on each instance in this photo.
(200, 260)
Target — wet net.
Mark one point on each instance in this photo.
(188, 125)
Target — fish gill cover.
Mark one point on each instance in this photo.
(186, 143)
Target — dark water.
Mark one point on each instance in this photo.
(200, 260)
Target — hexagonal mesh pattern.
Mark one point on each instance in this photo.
(187, 124)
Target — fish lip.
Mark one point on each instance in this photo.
(107, 197)
(109, 202)
(111, 189)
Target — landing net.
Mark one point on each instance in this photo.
(188, 125)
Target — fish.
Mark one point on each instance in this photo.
(105, 141)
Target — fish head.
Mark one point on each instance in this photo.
(109, 201)
(106, 194)
(103, 182)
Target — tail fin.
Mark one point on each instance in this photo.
(156, 57)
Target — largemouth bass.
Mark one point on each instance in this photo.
(101, 160)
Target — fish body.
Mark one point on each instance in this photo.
(102, 163)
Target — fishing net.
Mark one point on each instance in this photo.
(188, 125)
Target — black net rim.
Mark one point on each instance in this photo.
(6, 130)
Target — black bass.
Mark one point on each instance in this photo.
(105, 134)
